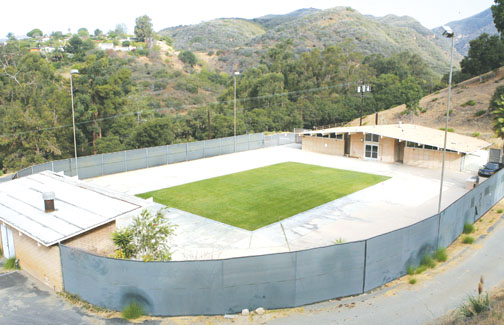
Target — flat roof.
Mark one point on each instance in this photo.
(79, 206)
(414, 133)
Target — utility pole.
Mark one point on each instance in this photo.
(362, 89)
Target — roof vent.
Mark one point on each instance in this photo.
(48, 201)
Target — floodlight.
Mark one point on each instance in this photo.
(448, 32)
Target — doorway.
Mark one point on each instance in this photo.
(7, 242)
(347, 144)
(399, 151)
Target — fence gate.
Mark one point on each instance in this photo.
(7, 242)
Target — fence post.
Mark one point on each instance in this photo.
(147, 155)
(248, 148)
(52, 166)
(204, 146)
(364, 268)
(186, 150)
(102, 162)
(125, 164)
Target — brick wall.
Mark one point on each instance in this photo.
(43, 263)
(97, 241)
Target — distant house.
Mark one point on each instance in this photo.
(106, 46)
(34, 49)
(41, 210)
(409, 144)
(47, 49)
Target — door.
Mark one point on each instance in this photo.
(7, 242)
(347, 144)
(371, 151)
(399, 151)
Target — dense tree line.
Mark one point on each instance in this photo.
(115, 111)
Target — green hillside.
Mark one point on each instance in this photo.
(242, 42)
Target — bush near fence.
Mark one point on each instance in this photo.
(123, 161)
(276, 280)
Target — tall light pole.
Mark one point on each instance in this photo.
(362, 89)
(234, 77)
(73, 122)
(448, 33)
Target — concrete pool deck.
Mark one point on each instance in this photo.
(410, 195)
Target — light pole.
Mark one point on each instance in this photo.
(362, 89)
(73, 71)
(448, 32)
(234, 77)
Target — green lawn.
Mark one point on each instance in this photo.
(255, 198)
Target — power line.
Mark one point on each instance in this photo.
(296, 92)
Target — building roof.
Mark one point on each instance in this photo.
(414, 133)
(79, 206)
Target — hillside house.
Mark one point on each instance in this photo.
(39, 211)
(409, 144)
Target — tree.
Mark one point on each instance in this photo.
(121, 30)
(499, 117)
(57, 35)
(411, 93)
(485, 54)
(83, 32)
(155, 132)
(147, 237)
(187, 57)
(98, 32)
(143, 28)
(11, 36)
(498, 15)
(34, 33)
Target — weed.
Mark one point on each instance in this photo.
(449, 114)
(410, 270)
(480, 112)
(476, 305)
(468, 228)
(436, 92)
(434, 99)
(1, 252)
(412, 281)
(428, 261)
(440, 255)
(132, 311)
(10, 264)
(476, 134)
(500, 211)
(339, 241)
(468, 240)
(449, 129)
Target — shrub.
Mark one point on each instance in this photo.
(339, 241)
(468, 240)
(449, 113)
(412, 281)
(468, 228)
(449, 129)
(434, 99)
(132, 311)
(476, 134)
(187, 57)
(480, 112)
(440, 255)
(475, 305)
(500, 211)
(470, 102)
(10, 264)
(410, 270)
(123, 238)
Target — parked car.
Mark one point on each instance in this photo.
(489, 169)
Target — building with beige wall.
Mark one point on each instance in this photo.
(409, 144)
(39, 211)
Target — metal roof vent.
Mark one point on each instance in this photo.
(48, 201)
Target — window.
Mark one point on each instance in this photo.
(371, 151)
(430, 147)
(372, 137)
(418, 145)
(410, 144)
(339, 136)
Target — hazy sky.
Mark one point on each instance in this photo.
(53, 15)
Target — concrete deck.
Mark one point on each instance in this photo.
(409, 196)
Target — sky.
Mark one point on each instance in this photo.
(62, 15)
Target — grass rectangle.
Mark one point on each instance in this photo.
(258, 197)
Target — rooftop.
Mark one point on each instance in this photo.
(79, 206)
(414, 133)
